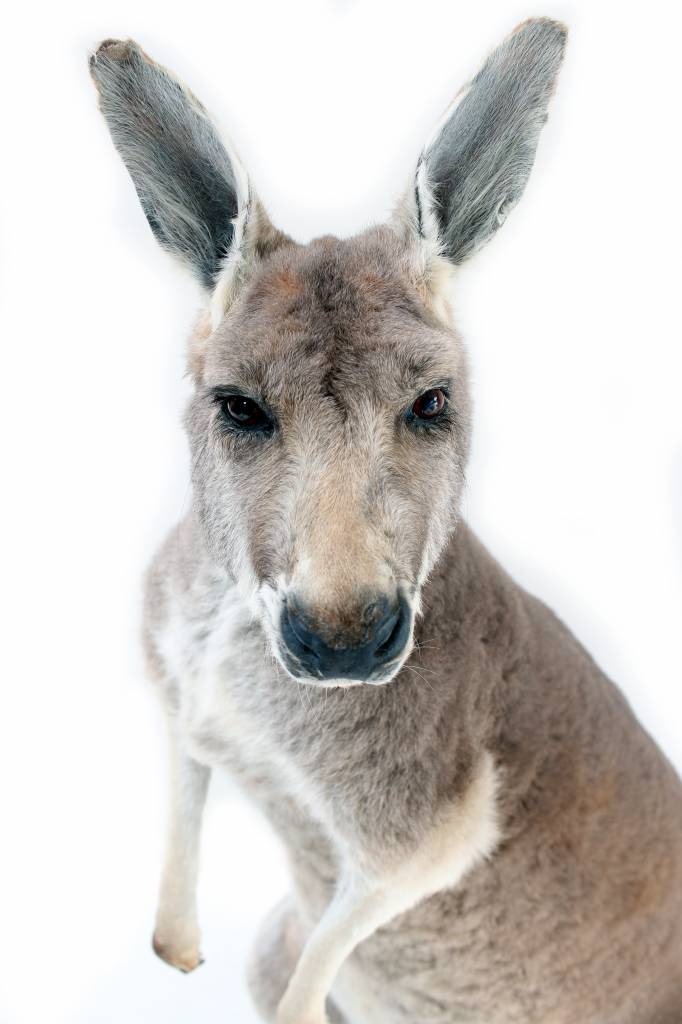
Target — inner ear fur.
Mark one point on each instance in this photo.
(193, 188)
(474, 168)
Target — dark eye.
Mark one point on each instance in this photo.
(430, 404)
(245, 413)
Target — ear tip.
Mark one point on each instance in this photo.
(539, 43)
(111, 51)
(551, 26)
(543, 30)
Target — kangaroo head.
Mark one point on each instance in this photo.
(329, 425)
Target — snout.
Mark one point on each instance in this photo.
(311, 648)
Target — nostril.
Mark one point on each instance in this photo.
(296, 630)
(386, 630)
(388, 643)
(296, 626)
(398, 627)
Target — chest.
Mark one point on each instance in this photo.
(334, 770)
(237, 710)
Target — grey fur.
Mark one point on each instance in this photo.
(479, 163)
(575, 915)
(179, 166)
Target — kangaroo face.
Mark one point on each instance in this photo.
(329, 433)
(329, 426)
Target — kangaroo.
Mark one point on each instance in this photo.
(478, 829)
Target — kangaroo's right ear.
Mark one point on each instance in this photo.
(192, 186)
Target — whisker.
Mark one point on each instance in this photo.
(411, 668)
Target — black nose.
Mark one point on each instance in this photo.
(308, 653)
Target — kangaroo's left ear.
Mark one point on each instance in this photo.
(475, 166)
(192, 186)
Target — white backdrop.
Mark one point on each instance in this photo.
(576, 482)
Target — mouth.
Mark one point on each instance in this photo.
(380, 677)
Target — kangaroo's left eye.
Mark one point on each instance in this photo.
(430, 404)
(245, 413)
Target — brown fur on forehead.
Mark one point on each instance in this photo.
(344, 278)
(314, 315)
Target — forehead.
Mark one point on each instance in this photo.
(330, 316)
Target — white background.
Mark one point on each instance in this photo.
(576, 482)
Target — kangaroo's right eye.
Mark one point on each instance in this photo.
(244, 413)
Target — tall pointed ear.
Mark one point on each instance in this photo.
(193, 188)
(474, 168)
